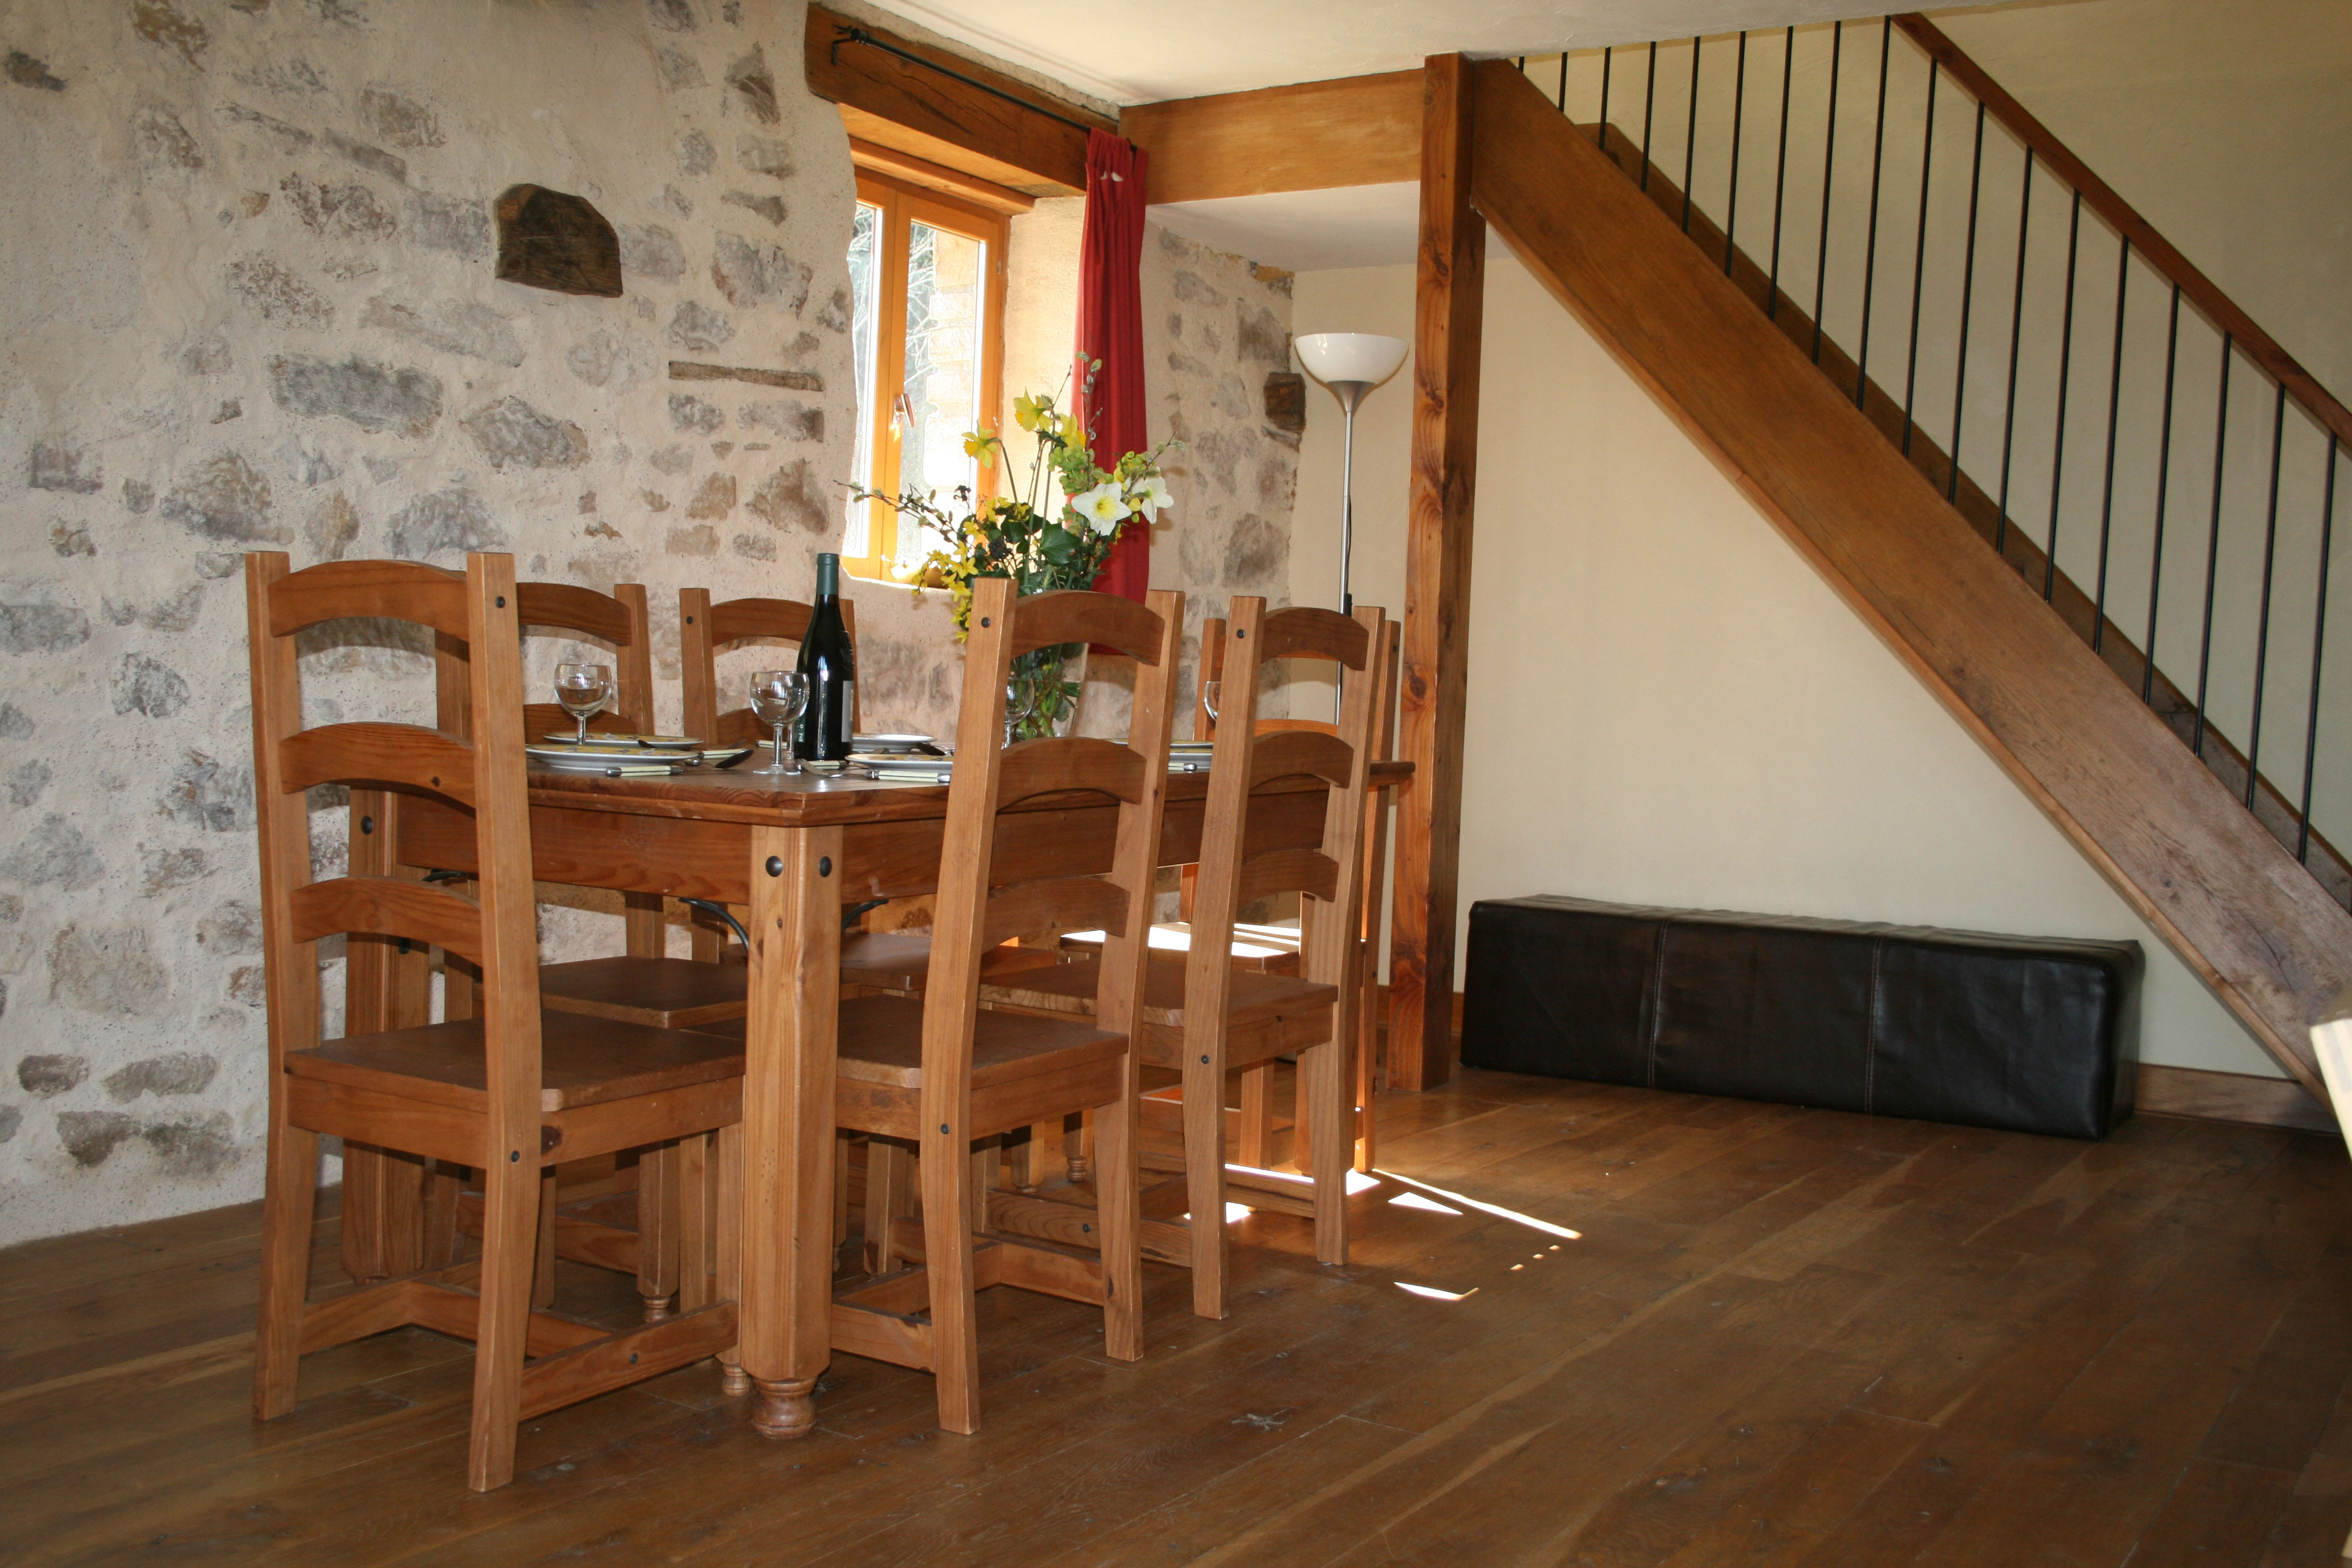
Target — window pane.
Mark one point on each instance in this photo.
(865, 258)
(945, 298)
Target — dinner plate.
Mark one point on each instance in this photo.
(631, 742)
(891, 744)
(599, 759)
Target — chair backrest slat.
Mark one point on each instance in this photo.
(567, 607)
(705, 630)
(966, 915)
(1305, 630)
(395, 590)
(1072, 763)
(1308, 871)
(388, 906)
(1074, 616)
(480, 650)
(1053, 903)
(1293, 753)
(409, 756)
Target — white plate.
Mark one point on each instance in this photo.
(889, 743)
(633, 743)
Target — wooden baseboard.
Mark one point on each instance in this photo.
(2232, 1097)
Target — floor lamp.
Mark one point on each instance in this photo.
(1350, 364)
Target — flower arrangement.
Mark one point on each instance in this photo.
(1040, 545)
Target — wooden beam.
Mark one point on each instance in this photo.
(874, 158)
(1309, 136)
(1021, 138)
(1449, 311)
(2167, 835)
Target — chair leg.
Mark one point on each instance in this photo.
(693, 1238)
(509, 1229)
(1256, 1140)
(946, 1180)
(1323, 1101)
(542, 1265)
(840, 1190)
(289, 1194)
(443, 1244)
(1367, 1052)
(658, 1220)
(1079, 1142)
(889, 1194)
(727, 1236)
(1204, 1173)
(1119, 1191)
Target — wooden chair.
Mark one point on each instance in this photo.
(508, 1091)
(1212, 1016)
(1276, 949)
(644, 984)
(939, 1073)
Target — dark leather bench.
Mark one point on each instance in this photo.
(2029, 1035)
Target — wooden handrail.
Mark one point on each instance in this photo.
(2100, 197)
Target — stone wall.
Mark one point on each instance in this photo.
(246, 301)
(1214, 327)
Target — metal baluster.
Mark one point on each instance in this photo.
(1648, 107)
(1739, 110)
(1967, 289)
(1829, 170)
(1608, 56)
(2016, 320)
(2163, 480)
(2065, 363)
(1870, 252)
(2318, 641)
(1690, 132)
(1919, 256)
(2213, 543)
(1563, 81)
(1781, 176)
(2263, 627)
(2114, 401)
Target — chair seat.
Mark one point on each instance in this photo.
(901, 961)
(583, 1061)
(1272, 950)
(881, 1042)
(658, 992)
(1070, 988)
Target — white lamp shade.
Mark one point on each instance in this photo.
(1350, 356)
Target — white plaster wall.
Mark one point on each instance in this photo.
(1666, 704)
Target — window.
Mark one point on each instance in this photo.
(927, 277)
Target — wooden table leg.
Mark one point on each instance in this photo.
(785, 1311)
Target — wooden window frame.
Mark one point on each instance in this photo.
(902, 205)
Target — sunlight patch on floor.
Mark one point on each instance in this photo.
(1415, 1201)
(1499, 1212)
(1434, 1294)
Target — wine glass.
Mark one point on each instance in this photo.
(778, 697)
(583, 690)
(1209, 694)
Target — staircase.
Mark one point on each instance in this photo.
(2076, 488)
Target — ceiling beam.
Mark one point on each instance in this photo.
(947, 110)
(1309, 136)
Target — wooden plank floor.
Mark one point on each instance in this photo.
(1775, 1337)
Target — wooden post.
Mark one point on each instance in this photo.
(1449, 310)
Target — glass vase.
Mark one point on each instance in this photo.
(1041, 695)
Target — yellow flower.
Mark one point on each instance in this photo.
(982, 445)
(1025, 411)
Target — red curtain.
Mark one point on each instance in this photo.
(1110, 328)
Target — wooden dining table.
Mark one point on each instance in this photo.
(794, 850)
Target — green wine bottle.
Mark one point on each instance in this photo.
(827, 659)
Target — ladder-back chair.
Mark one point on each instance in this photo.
(941, 1073)
(1212, 1016)
(507, 1091)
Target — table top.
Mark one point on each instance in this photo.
(810, 799)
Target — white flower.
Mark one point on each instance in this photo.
(1149, 495)
(1103, 507)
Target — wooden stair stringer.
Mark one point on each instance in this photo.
(2214, 883)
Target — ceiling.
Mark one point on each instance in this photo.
(1137, 51)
